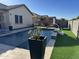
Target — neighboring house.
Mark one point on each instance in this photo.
(48, 20)
(15, 16)
(43, 19)
(36, 19)
(52, 20)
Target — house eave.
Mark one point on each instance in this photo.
(21, 6)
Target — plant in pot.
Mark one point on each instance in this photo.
(37, 44)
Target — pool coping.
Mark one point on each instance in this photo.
(49, 49)
(15, 31)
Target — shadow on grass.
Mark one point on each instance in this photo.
(66, 29)
(65, 41)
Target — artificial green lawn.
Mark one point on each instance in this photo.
(66, 47)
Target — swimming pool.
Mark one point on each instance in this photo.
(43, 32)
(20, 39)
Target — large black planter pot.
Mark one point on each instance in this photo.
(37, 47)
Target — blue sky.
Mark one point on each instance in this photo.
(60, 8)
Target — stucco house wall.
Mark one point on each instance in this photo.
(27, 17)
(35, 20)
(7, 17)
(6, 20)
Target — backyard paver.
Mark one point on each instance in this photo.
(9, 52)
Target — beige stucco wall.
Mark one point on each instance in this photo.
(27, 17)
(74, 26)
(35, 20)
(6, 19)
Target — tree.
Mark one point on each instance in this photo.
(73, 19)
(63, 23)
(77, 17)
(63, 19)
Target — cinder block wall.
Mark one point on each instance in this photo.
(74, 24)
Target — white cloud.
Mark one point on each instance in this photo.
(11, 2)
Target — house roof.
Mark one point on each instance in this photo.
(44, 16)
(35, 14)
(5, 7)
(2, 6)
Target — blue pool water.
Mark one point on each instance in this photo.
(47, 33)
(15, 39)
(21, 39)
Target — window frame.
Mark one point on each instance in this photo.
(18, 19)
(21, 19)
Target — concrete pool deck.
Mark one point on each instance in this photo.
(9, 52)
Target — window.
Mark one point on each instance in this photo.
(0, 18)
(18, 19)
(21, 19)
(0, 26)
